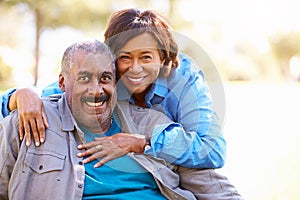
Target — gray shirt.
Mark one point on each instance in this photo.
(53, 171)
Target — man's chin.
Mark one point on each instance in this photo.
(93, 125)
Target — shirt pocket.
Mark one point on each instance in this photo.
(44, 161)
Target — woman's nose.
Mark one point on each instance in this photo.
(136, 67)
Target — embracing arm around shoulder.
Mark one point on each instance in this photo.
(33, 121)
(200, 142)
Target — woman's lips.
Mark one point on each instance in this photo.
(136, 80)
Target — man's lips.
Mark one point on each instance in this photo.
(95, 101)
(94, 104)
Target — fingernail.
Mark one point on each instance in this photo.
(27, 143)
(42, 140)
(79, 154)
(37, 144)
(79, 146)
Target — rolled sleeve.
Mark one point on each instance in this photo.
(4, 102)
(186, 100)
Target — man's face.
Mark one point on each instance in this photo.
(90, 90)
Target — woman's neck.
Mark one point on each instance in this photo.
(139, 99)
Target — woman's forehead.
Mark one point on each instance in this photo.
(143, 41)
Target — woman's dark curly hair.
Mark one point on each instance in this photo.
(129, 23)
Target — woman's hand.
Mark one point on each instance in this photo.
(31, 115)
(111, 147)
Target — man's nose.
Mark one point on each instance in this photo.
(96, 88)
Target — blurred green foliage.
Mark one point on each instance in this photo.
(238, 59)
(284, 46)
(56, 13)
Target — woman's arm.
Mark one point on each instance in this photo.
(196, 140)
(4, 98)
(192, 107)
(31, 113)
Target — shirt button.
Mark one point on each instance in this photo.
(80, 185)
(80, 163)
(41, 167)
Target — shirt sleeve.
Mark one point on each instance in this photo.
(200, 143)
(4, 102)
(196, 114)
(9, 148)
(51, 89)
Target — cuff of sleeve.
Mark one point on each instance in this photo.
(4, 102)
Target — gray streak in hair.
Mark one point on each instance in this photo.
(95, 47)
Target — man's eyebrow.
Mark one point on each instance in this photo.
(84, 73)
(107, 73)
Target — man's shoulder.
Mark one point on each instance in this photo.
(50, 102)
(11, 118)
(139, 119)
(138, 110)
(51, 106)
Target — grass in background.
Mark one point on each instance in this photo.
(263, 134)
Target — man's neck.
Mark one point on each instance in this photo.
(101, 127)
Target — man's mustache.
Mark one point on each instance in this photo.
(95, 99)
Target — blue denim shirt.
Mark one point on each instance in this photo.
(185, 98)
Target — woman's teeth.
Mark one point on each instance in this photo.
(135, 79)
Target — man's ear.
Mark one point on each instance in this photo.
(61, 82)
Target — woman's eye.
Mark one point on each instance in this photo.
(146, 57)
(124, 58)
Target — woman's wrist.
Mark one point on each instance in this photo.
(12, 103)
(147, 142)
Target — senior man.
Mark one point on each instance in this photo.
(87, 110)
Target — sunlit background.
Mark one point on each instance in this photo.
(252, 46)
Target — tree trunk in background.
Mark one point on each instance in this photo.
(37, 44)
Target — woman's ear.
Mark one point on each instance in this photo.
(166, 69)
(61, 82)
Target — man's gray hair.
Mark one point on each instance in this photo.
(95, 47)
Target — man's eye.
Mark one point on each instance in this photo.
(106, 78)
(83, 78)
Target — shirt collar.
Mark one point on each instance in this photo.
(159, 87)
(65, 114)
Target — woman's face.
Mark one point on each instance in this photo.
(138, 63)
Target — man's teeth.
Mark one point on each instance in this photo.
(135, 79)
(95, 104)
